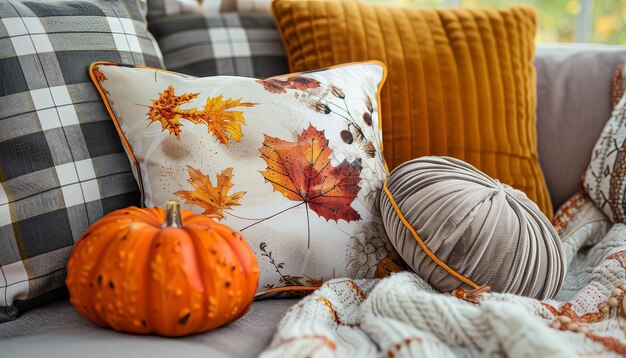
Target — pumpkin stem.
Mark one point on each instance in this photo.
(172, 217)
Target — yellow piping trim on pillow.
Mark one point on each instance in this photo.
(425, 248)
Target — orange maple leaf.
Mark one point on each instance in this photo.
(167, 110)
(302, 171)
(213, 199)
(225, 125)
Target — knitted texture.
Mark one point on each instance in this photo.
(402, 316)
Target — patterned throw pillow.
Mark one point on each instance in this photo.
(62, 165)
(164, 8)
(605, 179)
(294, 162)
(619, 83)
(249, 7)
(226, 45)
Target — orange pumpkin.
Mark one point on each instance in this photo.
(161, 271)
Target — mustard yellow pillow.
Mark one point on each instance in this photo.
(461, 81)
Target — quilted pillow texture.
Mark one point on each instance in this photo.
(459, 228)
(224, 45)
(294, 162)
(62, 165)
(461, 81)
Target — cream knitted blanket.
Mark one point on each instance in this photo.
(402, 316)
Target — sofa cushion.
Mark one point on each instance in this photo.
(57, 330)
(221, 45)
(62, 165)
(461, 81)
(573, 105)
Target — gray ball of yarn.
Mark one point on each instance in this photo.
(473, 229)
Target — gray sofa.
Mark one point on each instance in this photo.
(573, 91)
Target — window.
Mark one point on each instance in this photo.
(559, 20)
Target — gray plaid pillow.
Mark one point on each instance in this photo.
(226, 45)
(164, 8)
(62, 165)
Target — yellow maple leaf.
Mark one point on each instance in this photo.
(224, 124)
(213, 199)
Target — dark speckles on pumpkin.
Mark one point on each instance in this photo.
(184, 318)
(233, 268)
(144, 323)
(234, 234)
(157, 244)
(90, 284)
(111, 285)
(227, 284)
(99, 280)
(124, 237)
(213, 250)
(85, 235)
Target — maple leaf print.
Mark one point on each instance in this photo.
(302, 83)
(273, 85)
(99, 76)
(224, 124)
(213, 199)
(166, 109)
(302, 171)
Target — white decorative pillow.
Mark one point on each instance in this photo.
(293, 162)
(605, 179)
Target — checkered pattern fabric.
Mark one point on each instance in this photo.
(248, 7)
(227, 44)
(62, 165)
(163, 8)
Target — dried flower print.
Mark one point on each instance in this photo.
(273, 85)
(288, 280)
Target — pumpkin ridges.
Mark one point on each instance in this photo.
(225, 234)
(104, 277)
(175, 283)
(101, 242)
(245, 256)
(203, 272)
(121, 249)
(196, 299)
(213, 256)
(134, 266)
(77, 270)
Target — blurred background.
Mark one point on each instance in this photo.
(600, 21)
